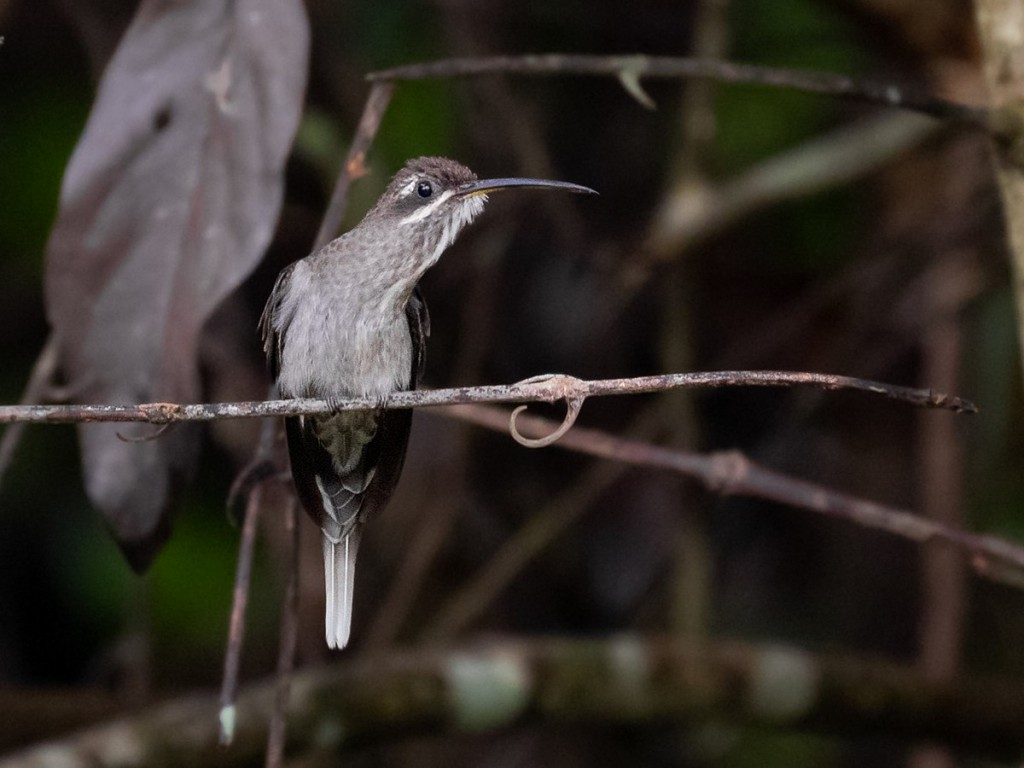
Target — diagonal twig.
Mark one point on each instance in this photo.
(40, 380)
(543, 527)
(354, 165)
(730, 473)
(845, 154)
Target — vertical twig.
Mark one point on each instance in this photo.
(289, 635)
(236, 629)
(943, 572)
(690, 602)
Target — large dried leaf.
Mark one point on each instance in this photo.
(168, 203)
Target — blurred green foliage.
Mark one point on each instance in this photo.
(756, 123)
(41, 120)
(756, 748)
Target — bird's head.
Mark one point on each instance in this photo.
(431, 199)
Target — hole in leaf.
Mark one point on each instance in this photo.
(162, 119)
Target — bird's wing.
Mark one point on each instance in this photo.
(394, 426)
(273, 342)
(419, 328)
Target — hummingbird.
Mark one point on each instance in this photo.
(349, 321)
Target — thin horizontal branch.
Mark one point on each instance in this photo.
(625, 681)
(549, 388)
(730, 473)
(631, 69)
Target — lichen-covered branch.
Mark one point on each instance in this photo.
(630, 681)
(847, 153)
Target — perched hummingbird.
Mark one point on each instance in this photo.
(349, 321)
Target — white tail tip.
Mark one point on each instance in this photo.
(339, 579)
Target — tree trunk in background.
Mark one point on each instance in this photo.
(1001, 29)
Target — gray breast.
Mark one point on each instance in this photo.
(337, 343)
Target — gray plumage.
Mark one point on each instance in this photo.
(348, 321)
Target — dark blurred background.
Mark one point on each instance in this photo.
(886, 263)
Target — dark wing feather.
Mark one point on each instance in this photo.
(309, 460)
(273, 342)
(419, 328)
(395, 425)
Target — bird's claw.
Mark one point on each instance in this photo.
(540, 378)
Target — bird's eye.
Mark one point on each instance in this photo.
(424, 189)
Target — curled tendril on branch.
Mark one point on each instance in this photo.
(573, 405)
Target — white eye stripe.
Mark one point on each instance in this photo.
(427, 209)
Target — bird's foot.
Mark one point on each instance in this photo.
(333, 404)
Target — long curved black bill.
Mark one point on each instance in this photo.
(484, 186)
